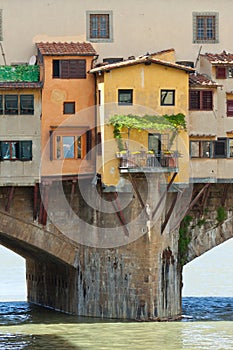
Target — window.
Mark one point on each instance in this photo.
(200, 100)
(69, 69)
(26, 104)
(230, 108)
(220, 148)
(69, 108)
(125, 97)
(70, 144)
(205, 27)
(17, 104)
(230, 144)
(16, 150)
(99, 26)
(11, 104)
(167, 98)
(200, 149)
(221, 72)
(68, 147)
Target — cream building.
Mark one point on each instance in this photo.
(117, 30)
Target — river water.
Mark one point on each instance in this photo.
(207, 324)
(207, 321)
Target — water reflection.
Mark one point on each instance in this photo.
(25, 326)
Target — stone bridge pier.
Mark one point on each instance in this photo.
(137, 274)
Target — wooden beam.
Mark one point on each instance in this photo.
(136, 191)
(9, 198)
(35, 201)
(163, 195)
(45, 204)
(169, 213)
(224, 196)
(119, 213)
(194, 201)
(72, 195)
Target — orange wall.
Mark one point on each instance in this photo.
(55, 92)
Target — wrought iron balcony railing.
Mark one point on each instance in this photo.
(142, 161)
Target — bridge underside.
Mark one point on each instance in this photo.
(138, 280)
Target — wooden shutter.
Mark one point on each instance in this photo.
(221, 72)
(207, 100)
(194, 99)
(88, 144)
(230, 108)
(64, 69)
(220, 148)
(77, 69)
(51, 141)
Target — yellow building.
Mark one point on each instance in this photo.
(145, 86)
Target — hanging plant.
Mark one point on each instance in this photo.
(174, 123)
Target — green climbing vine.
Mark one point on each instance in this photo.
(174, 122)
(184, 239)
(221, 215)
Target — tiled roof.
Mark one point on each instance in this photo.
(61, 49)
(20, 85)
(197, 79)
(222, 58)
(147, 59)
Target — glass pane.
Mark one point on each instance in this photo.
(205, 149)
(194, 149)
(231, 147)
(11, 104)
(5, 150)
(58, 150)
(103, 26)
(68, 146)
(167, 97)
(125, 96)
(79, 146)
(209, 28)
(93, 26)
(26, 104)
(13, 150)
(200, 28)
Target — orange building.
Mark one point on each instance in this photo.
(67, 122)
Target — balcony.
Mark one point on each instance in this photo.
(147, 161)
(19, 73)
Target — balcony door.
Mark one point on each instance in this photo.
(154, 144)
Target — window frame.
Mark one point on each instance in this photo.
(201, 149)
(79, 134)
(110, 26)
(215, 27)
(20, 153)
(201, 100)
(173, 97)
(125, 91)
(29, 110)
(18, 110)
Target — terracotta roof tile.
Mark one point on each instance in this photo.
(61, 49)
(21, 85)
(197, 79)
(222, 58)
(147, 59)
